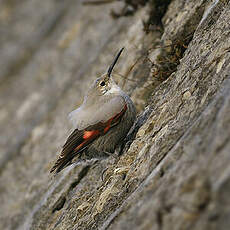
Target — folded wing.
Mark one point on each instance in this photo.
(80, 139)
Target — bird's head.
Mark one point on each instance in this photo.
(105, 84)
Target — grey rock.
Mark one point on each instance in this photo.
(174, 169)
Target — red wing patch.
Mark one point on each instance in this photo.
(80, 139)
(90, 134)
(114, 120)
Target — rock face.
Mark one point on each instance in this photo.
(174, 172)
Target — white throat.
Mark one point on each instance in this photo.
(114, 90)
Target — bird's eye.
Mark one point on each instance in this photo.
(102, 83)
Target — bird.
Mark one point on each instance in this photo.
(100, 124)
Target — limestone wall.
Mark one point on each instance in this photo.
(174, 172)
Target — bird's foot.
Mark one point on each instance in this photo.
(115, 154)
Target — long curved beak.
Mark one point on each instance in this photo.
(114, 63)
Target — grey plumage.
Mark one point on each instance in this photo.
(109, 142)
(101, 122)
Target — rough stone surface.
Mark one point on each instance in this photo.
(174, 172)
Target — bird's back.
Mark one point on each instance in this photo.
(109, 141)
